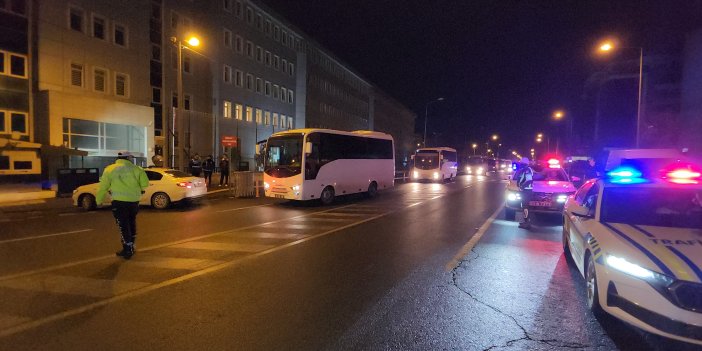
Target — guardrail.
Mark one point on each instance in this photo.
(402, 176)
(246, 184)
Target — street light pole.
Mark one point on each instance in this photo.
(638, 107)
(426, 116)
(179, 103)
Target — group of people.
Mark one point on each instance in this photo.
(198, 167)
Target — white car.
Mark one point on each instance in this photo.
(551, 188)
(166, 186)
(637, 241)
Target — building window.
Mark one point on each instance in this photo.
(227, 5)
(3, 121)
(268, 88)
(239, 44)
(120, 35)
(77, 75)
(174, 100)
(227, 77)
(259, 85)
(249, 113)
(18, 122)
(239, 78)
(174, 20)
(259, 21)
(290, 97)
(186, 101)
(268, 27)
(104, 137)
(291, 41)
(276, 91)
(291, 69)
(249, 82)
(290, 122)
(98, 27)
(259, 116)
(283, 94)
(276, 32)
(276, 62)
(249, 16)
(99, 77)
(227, 112)
(282, 121)
(284, 37)
(239, 112)
(267, 58)
(267, 118)
(76, 19)
(121, 84)
(275, 119)
(285, 66)
(259, 54)
(227, 38)
(156, 95)
(238, 8)
(17, 65)
(250, 50)
(186, 63)
(155, 52)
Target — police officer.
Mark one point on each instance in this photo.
(525, 181)
(126, 183)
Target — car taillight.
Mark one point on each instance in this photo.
(187, 185)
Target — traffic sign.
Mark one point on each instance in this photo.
(229, 141)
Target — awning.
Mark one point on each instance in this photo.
(61, 151)
(17, 144)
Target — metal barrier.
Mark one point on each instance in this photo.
(246, 184)
(402, 175)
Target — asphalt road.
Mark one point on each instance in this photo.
(420, 267)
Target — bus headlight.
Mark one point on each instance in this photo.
(415, 174)
(467, 169)
(266, 186)
(480, 170)
(436, 175)
(296, 188)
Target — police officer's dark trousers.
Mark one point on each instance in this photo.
(125, 214)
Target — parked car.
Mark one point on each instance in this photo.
(166, 186)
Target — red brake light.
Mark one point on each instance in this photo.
(185, 184)
(682, 174)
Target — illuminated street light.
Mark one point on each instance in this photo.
(495, 137)
(608, 46)
(540, 135)
(193, 41)
(558, 115)
(475, 146)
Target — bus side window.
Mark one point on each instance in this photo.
(312, 161)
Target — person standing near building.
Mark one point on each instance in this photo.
(224, 171)
(208, 167)
(126, 182)
(195, 166)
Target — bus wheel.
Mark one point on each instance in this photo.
(327, 196)
(372, 190)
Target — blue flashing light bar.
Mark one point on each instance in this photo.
(624, 172)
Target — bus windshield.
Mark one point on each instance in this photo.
(426, 161)
(284, 156)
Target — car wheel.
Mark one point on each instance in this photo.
(327, 196)
(510, 214)
(160, 201)
(87, 202)
(372, 190)
(593, 296)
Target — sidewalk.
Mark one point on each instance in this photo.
(24, 192)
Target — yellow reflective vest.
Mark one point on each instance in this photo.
(124, 180)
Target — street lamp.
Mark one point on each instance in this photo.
(475, 146)
(192, 41)
(495, 137)
(608, 46)
(426, 116)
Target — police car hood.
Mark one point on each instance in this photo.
(552, 186)
(676, 252)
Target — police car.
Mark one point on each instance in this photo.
(551, 188)
(636, 237)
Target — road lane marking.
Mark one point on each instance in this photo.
(94, 259)
(242, 208)
(220, 246)
(472, 242)
(8, 320)
(263, 235)
(318, 219)
(146, 289)
(191, 264)
(44, 236)
(63, 284)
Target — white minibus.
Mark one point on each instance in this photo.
(434, 163)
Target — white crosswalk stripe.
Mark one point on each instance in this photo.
(61, 284)
(209, 245)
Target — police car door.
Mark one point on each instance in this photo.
(580, 228)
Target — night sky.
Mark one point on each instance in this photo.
(502, 66)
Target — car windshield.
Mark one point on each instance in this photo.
(551, 175)
(177, 174)
(426, 161)
(663, 207)
(284, 156)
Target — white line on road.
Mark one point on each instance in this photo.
(471, 243)
(44, 236)
(242, 208)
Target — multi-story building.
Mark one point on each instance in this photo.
(390, 116)
(18, 152)
(92, 79)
